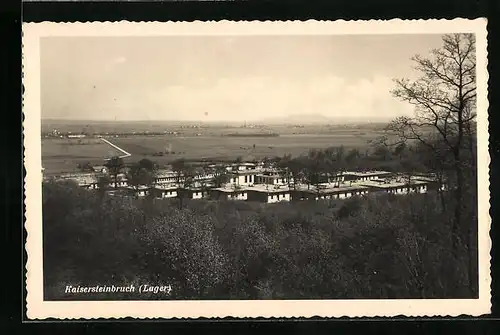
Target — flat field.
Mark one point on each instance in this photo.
(218, 147)
(63, 155)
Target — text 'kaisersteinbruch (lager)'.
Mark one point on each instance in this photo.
(145, 288)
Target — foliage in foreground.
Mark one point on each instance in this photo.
(377, 247)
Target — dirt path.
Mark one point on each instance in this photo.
(125, 154)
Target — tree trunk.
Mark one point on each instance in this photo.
(472, 264)
(136, 193)
(181, 196)
(474, 225)
(456, 228)
(441, 193)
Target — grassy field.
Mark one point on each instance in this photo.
(204, 147)
(63, 155)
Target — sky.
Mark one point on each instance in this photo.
(226, 78)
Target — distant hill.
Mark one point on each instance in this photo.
(312, 119)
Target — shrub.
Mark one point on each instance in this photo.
(381, 246)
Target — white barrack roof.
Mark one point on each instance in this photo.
(366, 173)
(268, 188)
(331, 188)
(393, 183)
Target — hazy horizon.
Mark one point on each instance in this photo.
(226, 79)
(242, 121)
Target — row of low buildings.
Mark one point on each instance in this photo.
(253, 182)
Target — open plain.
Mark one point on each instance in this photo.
(206, 142)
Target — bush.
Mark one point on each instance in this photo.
(377, 247)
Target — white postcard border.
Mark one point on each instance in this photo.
(39, 309)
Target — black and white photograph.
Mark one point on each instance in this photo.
(225, 166)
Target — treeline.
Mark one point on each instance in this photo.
(313, 167)
(320, 165)
(381, 246)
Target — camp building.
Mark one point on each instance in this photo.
(268, 193)
(328, 191)
(228, 193)
(244, 177)
(165, 191)
(192, 193)
(271, 177)
(397, 186)
(365, 175)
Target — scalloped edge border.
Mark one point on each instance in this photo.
(239, 309)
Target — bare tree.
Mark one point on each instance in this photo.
(330, 166)
(293, 168)
(316, 167)
(115, 166)
(221, 176)
(179, 166)
(284, 163)
(297, 172)
(340, 163)
(103, 182)
(85, 167)
(202, 172)
(352, 159)
(138, 177)
(266, 163)
(186, 177)
(147, 164)
(445, 100)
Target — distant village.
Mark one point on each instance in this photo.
(193, 129)
(258, 130)
(54, 134)
(255, 181)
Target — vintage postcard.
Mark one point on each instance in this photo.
(256, 169)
